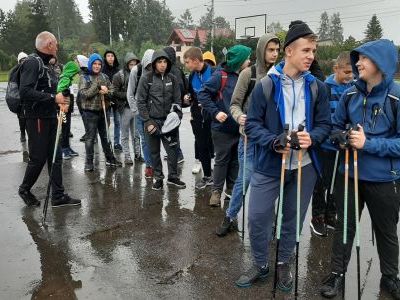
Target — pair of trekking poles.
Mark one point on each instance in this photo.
(62, 119)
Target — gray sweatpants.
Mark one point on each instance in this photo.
(128, 128)
(263, 194)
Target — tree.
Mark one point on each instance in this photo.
(324, 27)
(219, 22)
(336, 29)
(350, 43)
(186, 20)
(275, 27)
(196, 41)
(374, 30)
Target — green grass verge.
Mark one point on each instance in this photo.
(3, 76)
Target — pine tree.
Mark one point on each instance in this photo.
(374, 30)
(324, 27)
(196, 41)
(186, 20)
(336, 29)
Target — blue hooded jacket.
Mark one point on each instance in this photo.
(379, 160)
(92, 59)
(266, 119)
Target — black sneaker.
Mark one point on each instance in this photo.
(204, 182)
(113, 162)
(176, 182)
(318, 226)
(391, 285)
(65, 201)
(157, 185)
(28, 197)
(83, 138)
(330, 222)
(139, 158)
(117, 147)
(331, 285)
(227, 226)
(89, 167)
(252, 275)
(72, 152)
(285, 278)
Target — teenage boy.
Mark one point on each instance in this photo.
(157, 95)
(372, 105)
(200, 73)
(215, 98)
(93, 87)
(323, 203)
(266, 55)
(288, 95)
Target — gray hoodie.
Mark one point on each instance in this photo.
(146, 60)
(238, 103)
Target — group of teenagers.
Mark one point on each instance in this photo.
(262, 125)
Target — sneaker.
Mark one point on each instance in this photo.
(157, 185)
(252, 275)
(148, 172)
(331, 285)
(66, 154)
(285, 278)
(22, 138)
(196, 167)
(72, 152)
(117, 147)
(176, 182)
(228, 225)
(318, 226)
(139, 158)
(83, 138)
(215, 199)
(205, 181)
(113, 162)
(391, 285)
(128, 161)
(28, 197)
(330, 222)
(65, 201)
(89, 167)
(180, 159)
(228, 193)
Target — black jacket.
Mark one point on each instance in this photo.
(110, 71)
(156, 93)
(39, 102)
(177, 72)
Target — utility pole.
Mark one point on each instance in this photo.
(109, 23)
(212, 25)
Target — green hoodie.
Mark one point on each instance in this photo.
(71, 69)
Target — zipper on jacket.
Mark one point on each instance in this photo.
(293, 106)
(375, 111)
(364, 109)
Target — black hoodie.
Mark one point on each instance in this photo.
(110, 71)
(180, 76)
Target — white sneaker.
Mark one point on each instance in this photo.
(196, 167)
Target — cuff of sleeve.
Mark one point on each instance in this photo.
(368, 145)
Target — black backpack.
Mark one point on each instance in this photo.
(13, 98)
(138, 75)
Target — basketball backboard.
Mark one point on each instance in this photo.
(250, 26)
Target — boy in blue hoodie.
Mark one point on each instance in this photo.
(323, 203)
(371, 105)
(289, 94)
(215, 98)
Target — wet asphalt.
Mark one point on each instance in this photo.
(130, 242)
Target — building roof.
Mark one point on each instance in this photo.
(188, 35)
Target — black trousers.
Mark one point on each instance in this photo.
(66, 129)
(22, 123)
(203, 144)
(323, 204)
(42, 136)
(382, 200)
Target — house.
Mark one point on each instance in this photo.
(183, 39)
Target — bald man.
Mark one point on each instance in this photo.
(37, 90)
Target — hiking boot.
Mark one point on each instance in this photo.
(176, 182)
(128, 161)
(215, 199)
(117, 147)
(65, 200)
(138, 158)
(391, 285)
(113, 162)
(331, 285)
(285, 278)
(89, 167)
(72, 152)
(228, 225)
(330, 222)
(196, 167)
(28, 197)
(22, 138)
(157, 185)
(204, 182)
(66, 154)
(318, 226)
(252, 275)
(148, 172)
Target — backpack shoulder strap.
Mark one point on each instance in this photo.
(394, 97)
(149, 78)
(252, 83)
(224, 79)
(267, 86)
(314, 90)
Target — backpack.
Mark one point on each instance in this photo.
(252, 83)
(138, 75)
(224, 79)
(13, 98)
(393, 95)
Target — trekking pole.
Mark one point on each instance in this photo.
(103, 104)
(61, 119)
(244, 182)
(345, 201)
(334, 174)
(279, 215)
(298, 201)
(355, 153)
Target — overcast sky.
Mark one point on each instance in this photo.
(354, 14)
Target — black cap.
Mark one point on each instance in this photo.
(297, 29)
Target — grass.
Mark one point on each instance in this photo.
(4, 76)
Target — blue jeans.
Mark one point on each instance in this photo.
(117, 126)
(237, 194)
(145, 147)
(263, 194)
